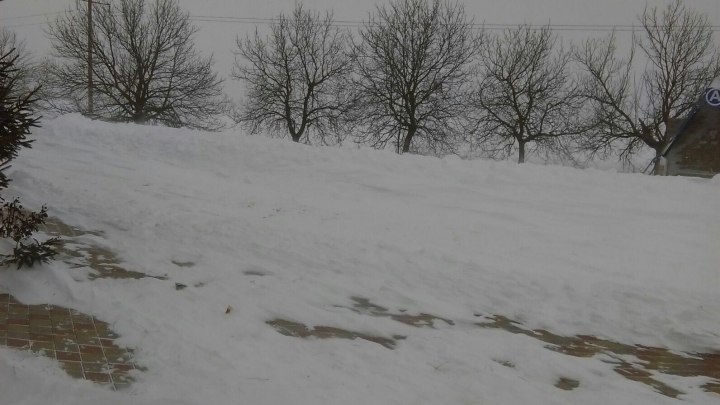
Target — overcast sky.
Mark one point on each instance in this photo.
(218, 36)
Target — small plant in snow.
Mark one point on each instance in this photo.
(19, 224)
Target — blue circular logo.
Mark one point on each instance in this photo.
(713, 97)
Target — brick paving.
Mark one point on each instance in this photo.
(82, 344)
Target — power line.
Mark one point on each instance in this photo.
(494, 27)
(31, 16)
(24, 25)
(477, 26)
(31, 24)
(243, 19)
(360, 24)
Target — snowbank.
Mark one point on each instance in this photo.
(626, 257)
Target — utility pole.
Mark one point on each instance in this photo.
(90, 56)
(90, 44)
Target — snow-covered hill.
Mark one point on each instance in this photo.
(625, 257)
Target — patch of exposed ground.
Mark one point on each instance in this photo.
(289, 328)
(365, 307)
(80, 254)
(567, 384)
(649, 359)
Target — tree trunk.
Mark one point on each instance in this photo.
(296, 136)
(139, 117)
(521, 152)
(656, 161)
(408, 139)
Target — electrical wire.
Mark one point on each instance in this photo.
(477, 26)
(360, 24)
(30, 16)
(23, 25)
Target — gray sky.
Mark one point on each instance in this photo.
(218, 36)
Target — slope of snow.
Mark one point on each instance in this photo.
(627, 257)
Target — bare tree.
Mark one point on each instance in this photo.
(23, 72)
(414, 69)
(632, 111)
(145, 67)
(526, 99)
(296, 78)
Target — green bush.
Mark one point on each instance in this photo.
(16, 119)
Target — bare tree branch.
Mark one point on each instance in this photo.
(526, 99)
(145, 67)
(414, 68)
(24, 70)
(296, 78)
(632, 111)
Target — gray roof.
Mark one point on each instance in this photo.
(681, 129)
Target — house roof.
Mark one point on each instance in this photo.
(681, 129)
(715, 83)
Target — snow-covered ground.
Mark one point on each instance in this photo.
(626, 257)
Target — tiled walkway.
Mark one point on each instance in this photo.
(83, 345)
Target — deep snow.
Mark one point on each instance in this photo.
(626, 257)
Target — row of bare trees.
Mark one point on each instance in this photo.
(424, 78)
(404, 83)
(420, 76)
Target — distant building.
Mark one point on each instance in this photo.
(695, 148)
